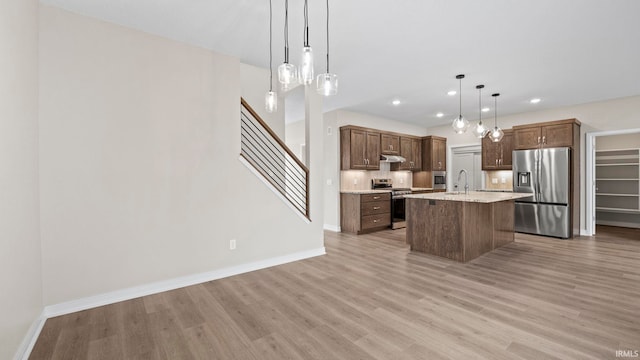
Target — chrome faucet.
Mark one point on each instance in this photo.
(466, 182)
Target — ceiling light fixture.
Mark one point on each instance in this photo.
(286, 72)
(496, 134)
(460, 124)
(452, 92)
(396, 102)
(534, 100)
(485, 109)
(306, 62)
(327, 83)
(440, 114)
(271, 98)
(480, 130)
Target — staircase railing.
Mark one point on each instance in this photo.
(273, 159)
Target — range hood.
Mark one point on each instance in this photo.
(392, 158)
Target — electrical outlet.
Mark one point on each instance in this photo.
(232, 244)
(503, 181)
(401, 181)
(494, 180)
(329, 130)
(329, 182)
(355, 181)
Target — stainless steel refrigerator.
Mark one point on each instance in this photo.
(544, 173)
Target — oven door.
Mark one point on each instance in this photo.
(398, 214)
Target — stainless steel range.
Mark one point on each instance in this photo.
(398, 204)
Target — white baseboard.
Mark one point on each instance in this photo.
(24, 351)
(332, 228)
(171, 284)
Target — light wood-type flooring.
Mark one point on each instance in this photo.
(370, 298)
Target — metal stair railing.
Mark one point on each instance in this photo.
(273, 159)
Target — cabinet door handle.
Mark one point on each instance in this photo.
(375, 220)
(538, 139)
(376, 208)
(544, 139)
(376, 197)
(439, 164)
(496, 161)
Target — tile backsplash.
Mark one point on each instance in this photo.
(498, 180)
(361, 179)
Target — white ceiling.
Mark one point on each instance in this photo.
(563, 51)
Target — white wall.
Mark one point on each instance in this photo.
(332, 176)
(20, 262)
(614, 114)
(624, 141)
(140, 171)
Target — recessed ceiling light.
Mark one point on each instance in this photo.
(439, 114)
(535, 100)
(396, 102)
(452, 92)
(486, 109)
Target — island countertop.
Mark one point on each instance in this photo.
(472, 196)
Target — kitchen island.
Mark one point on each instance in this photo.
(460, 226)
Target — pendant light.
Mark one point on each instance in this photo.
(271, 98)
(480, 130)
(306, 61)
(460, 124)
(327, 83)
(496, 134)
(286, 72)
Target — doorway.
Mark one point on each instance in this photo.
(468, 158)
(609, 196)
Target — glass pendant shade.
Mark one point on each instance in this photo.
(480, 131)
(327, 84)
(287, 75)
(460, 124)
(496, 134)
(271, 101)
(306, 66)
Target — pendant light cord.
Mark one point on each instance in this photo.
(286, 31)
(270, 46)
(480, 104)
(327, 36)
(460, 97)
(306, 23)
(495, 111)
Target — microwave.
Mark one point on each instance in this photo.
(439, 179)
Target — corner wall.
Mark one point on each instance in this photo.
(140, 170)
(20, 262)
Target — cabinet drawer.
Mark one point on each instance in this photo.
(375, 197)
(372, 221)
(375, 207)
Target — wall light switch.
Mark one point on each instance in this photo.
(329, 182)
(329, 130)
(355, 181)
(494, 180)
(503, 181)
(232, 244)
(401, 181)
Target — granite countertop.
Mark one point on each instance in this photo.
(495, 190)
(420, 189)
(364, 191)
(472, 196)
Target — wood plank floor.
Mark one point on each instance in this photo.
(370, 298)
